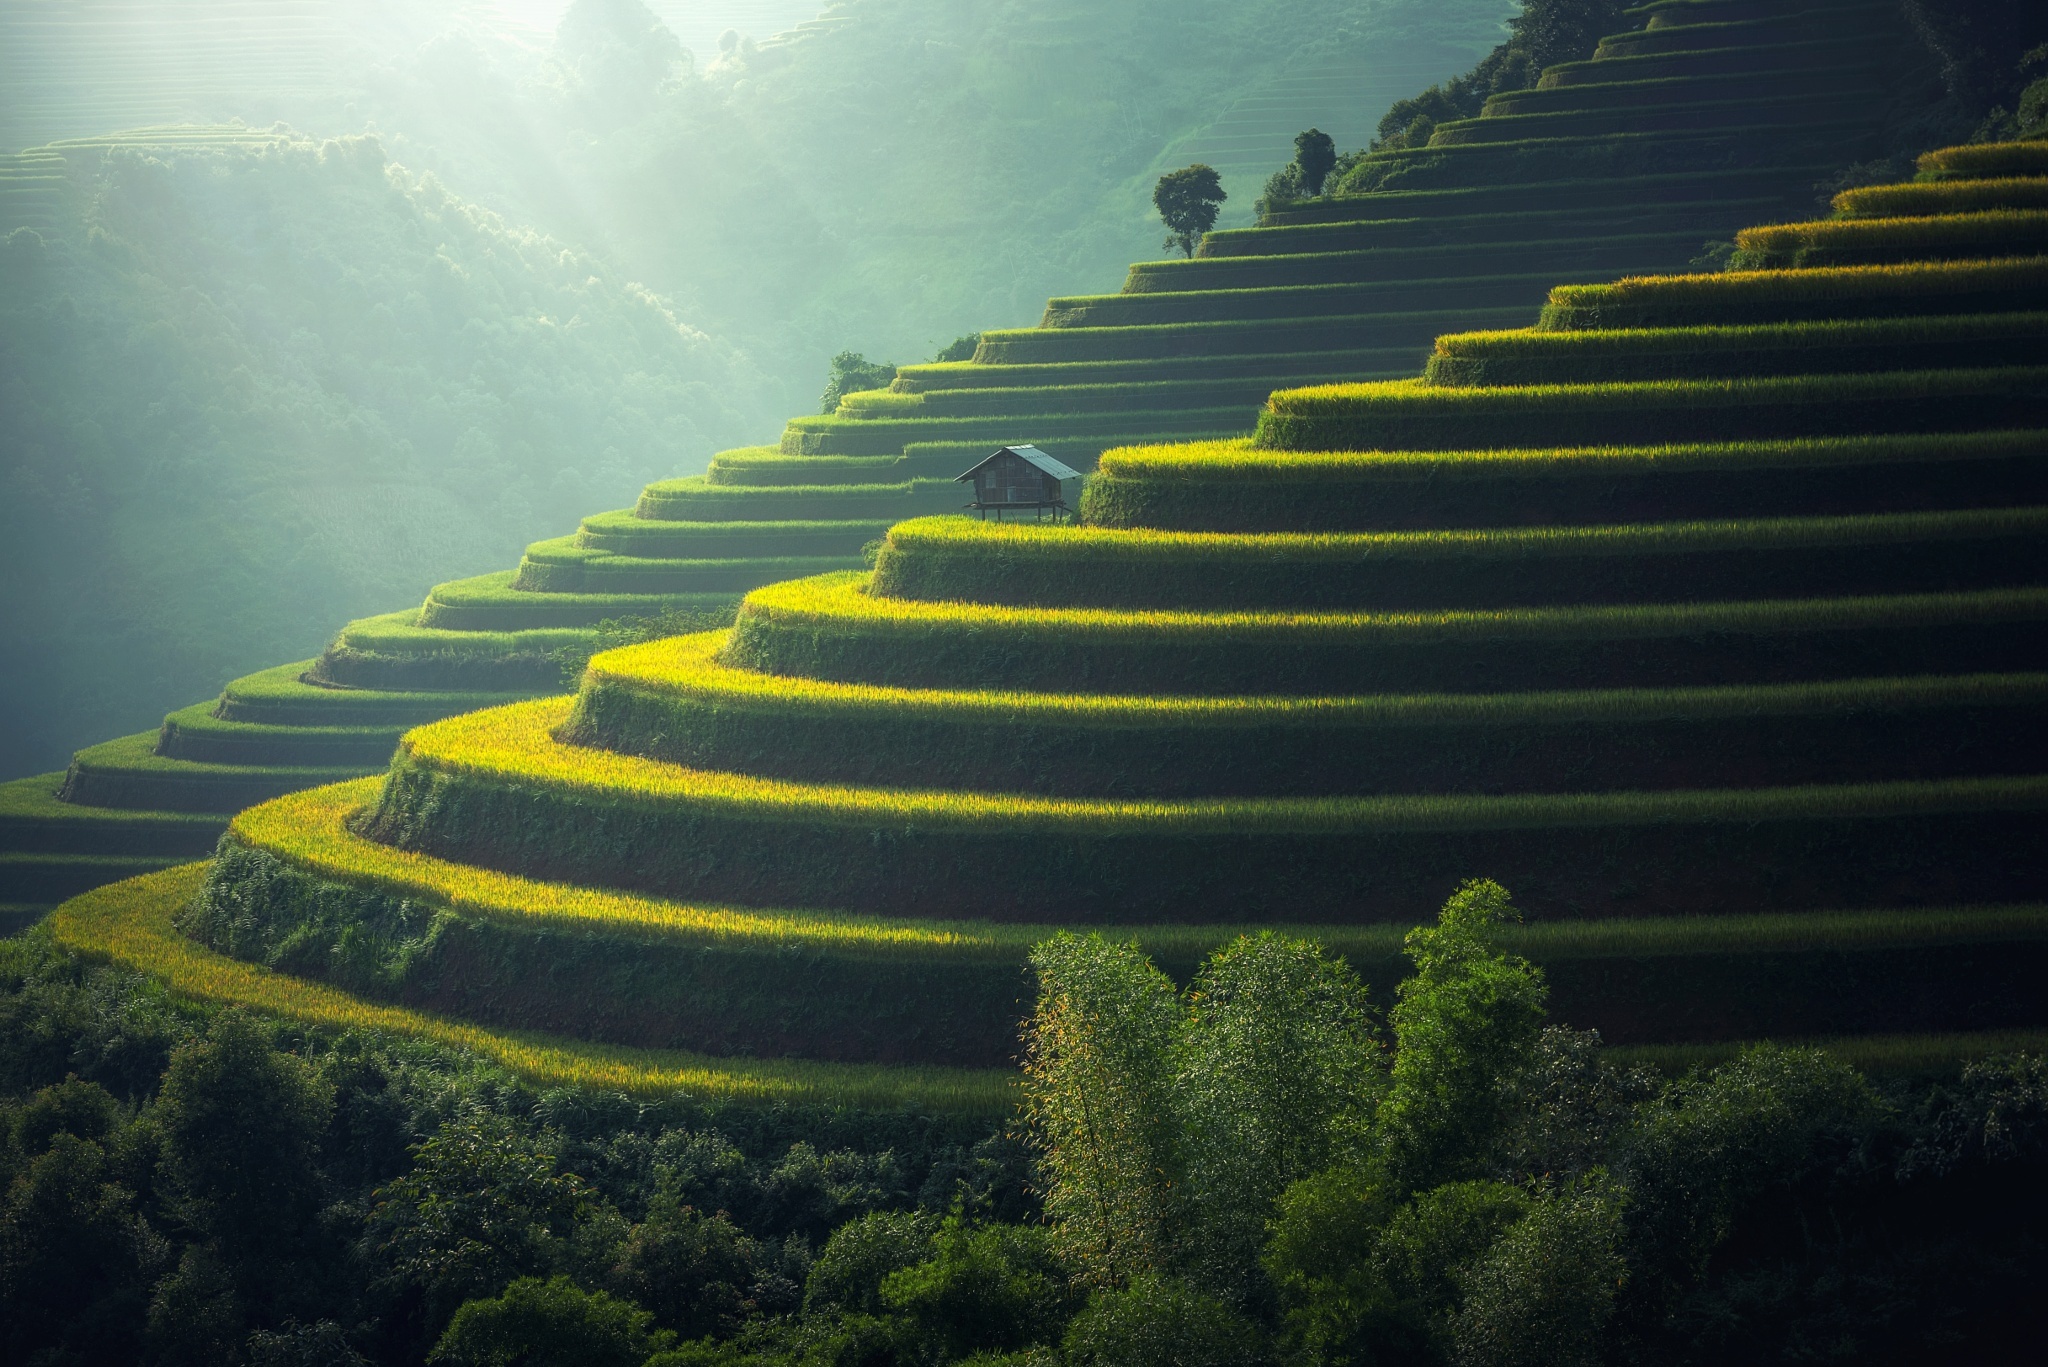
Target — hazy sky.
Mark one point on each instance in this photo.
(697, 22)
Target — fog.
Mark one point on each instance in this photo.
(383, 291)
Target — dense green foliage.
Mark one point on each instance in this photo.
(1251, 1170)
(1544, 32)
(182, 1187)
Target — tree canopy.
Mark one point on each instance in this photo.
(1187, 201)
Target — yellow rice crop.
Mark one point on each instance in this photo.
(515, 745)
(308, 831)
(1237, 459)
(130, 923)
(1017, 540)
(840, 602)
(689, 667)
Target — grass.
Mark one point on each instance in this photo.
(829, 627)
(1779, 106)
(930, 379)
(1022, 403)
(1413, 415)
(676, 701)
(1074, 341)
(1238, 461)
(292, 862)
(31, 818)
(1942, 197)
(1785, 296)
(128, 773)
(309, 830)
(1986, 160)
(1576, 193)
(689, 667)
(1230, 486)
(1398, 263)
(1027, 564)
(621, 533)
(767, 467)
(1985, 234)
(394, 653)
(515, 745)
(478, 789)
(399, 633)
(831, 435)
(1531, 356)
(1506, 226)
(1786, 56)
(562, 567)
(692, 500)
(194, 733)
(1657, 91)
(282, 697)
(1440, 297)
(130, 924)
(490, 602)
(904, 982)
(46, 879)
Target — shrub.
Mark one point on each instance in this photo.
(861, 1255)
(850, 373)
(1544, 1294)
(984, 1289)
(1156, 1322)
(551, 1323)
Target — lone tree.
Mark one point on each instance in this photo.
(1187, 201)
(1315, 153)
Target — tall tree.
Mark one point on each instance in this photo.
(1098, 1076)
(1278, 1059)
(1187, 201)
(1468, 1018)
(1315, 153)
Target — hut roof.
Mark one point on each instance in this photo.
(1032, 454)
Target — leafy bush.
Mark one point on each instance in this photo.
(552, 1323)
(851, 372)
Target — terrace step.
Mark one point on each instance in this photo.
(129, 775)
(492, 602)
(960, 560)
(927, 992)
(674, 701)
(1410, 415)
(467, 788)
(1235, 487)
(829, 628)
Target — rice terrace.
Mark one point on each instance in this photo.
(1451, 772)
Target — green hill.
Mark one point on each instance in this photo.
(1736, 680)
(258, 383)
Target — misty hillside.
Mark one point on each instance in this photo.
(254, 388)
(489, 273)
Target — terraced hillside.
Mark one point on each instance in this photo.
(1706, 614)
(1469, 232)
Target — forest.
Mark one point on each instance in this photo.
(1263, 1163)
